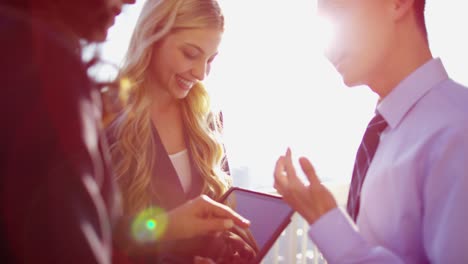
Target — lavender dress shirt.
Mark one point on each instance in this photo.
(414, 202)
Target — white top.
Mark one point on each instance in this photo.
(181, 163)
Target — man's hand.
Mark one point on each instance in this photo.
(201, 216)
(310, 200)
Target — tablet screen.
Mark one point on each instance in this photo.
(269, 215)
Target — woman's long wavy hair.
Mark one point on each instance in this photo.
(133, 151)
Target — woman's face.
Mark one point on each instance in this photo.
(182, 59)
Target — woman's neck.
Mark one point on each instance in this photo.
(163, 101)
(165, 109)
(166, 116)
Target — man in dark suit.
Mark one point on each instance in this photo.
(58, 199)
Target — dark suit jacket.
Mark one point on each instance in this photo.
(57, 196)
(166, 192)
(166, 189)
(166, 183)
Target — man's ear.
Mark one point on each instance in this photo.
(401, 8)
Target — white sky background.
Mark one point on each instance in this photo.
(276, 89)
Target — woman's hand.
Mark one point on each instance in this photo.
(226, 247)
(201, 216)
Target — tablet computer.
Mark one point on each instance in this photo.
(269, 216)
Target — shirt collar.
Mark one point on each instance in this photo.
(395, 105)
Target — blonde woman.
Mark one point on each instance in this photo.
(164, 145)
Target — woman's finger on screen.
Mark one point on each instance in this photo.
(217, 210)
(209, 225)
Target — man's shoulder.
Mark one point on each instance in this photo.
(41, 74)
(35, 57)
(23, 38)
(443, 104)
(442, 111)
(449, 101)
(456, 95)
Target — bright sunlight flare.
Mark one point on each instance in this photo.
(276, 89)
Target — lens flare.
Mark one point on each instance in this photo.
(149, 225)
(325, 29)
(125, 83)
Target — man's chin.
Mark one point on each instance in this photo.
(350, 82)
(97, 36)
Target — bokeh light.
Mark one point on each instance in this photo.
(149, 225)
(125, 84)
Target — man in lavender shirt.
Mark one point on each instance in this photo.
(414, 200)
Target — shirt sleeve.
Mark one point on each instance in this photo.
(446, 197)
(445, 212)
(340, 242)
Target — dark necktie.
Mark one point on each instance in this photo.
(364, 157)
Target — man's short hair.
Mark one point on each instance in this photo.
(419, 7)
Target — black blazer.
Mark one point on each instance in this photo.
(166, 190)
(166, 186)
